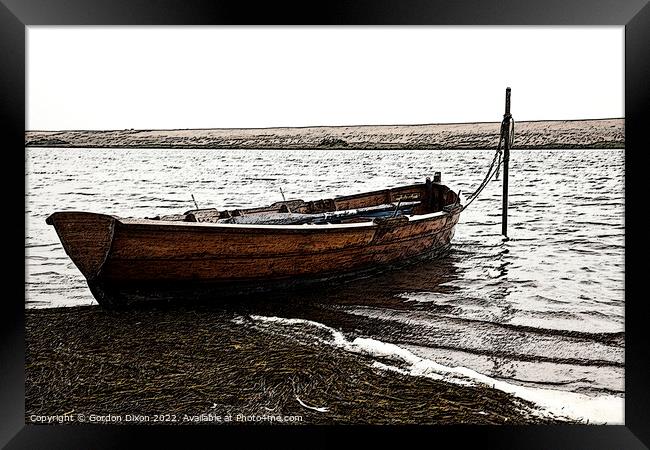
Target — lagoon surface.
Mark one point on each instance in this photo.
(540, 315)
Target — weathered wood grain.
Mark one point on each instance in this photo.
(278, 256)
(86, 238)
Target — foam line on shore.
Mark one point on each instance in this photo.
(605, 409)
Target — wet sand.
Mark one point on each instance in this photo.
(600, 133)
(189, 361)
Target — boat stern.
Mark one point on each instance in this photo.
(86, 238)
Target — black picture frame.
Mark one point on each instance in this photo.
(15, 15)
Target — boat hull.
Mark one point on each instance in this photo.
(128, 260)
(115, 294)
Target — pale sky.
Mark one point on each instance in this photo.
(213, 77)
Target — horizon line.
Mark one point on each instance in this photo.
(323, 126)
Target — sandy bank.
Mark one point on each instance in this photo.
(602, 133)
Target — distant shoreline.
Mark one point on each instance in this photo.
(547, 134)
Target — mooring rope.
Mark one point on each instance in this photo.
(492, 170)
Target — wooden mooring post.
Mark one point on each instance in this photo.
(505, 131)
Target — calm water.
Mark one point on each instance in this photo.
(542, 313)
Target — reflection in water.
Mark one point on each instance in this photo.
(502, 367)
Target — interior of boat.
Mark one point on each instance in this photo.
(375, 206)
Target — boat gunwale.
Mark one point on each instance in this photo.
(152, 223)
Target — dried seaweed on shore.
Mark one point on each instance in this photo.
(192, 361)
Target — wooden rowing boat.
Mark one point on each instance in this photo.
(205, 253)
